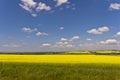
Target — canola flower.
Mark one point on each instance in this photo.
(61, 59)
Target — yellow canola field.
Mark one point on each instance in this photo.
(61, 59)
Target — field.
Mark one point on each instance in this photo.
(61, 59)
(59, 67)
(26, 71)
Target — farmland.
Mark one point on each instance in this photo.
(59, 67)
(33, 71)
(72, 59)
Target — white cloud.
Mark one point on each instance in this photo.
(69, 45)
(28, 5)
(88, 39)
(74, 38)
(60, 2)
(100, 30)
(29, 30)
(114, 6)
(61, 28)
(63, 44)
(109, 42)
(33, 14)
(66, 43)
(35, 30)
(11, 45)
(33, 7)
(103, 29)
(117, 34)
(94, 31)
(46, 45)
(64, 39)
(59, 43)
(41, 34)
(42, 6)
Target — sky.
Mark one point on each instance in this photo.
(59, 25)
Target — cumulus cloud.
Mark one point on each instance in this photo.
(42, 6)
(28, 5)
(94, 31)
(11, 45)
(29, 30)
(100, 30)
(109, 42)
(66, 43)
(63, 44)
(33, 14)
(46, 45)
(115, 6)
(33, 7)
(103, 29)
(64, 39)
(35, 30)
(61, 28)
(41, 34)
(69, 45)
(74, 38)
(88, 39)
(117, 34)
(60, 2)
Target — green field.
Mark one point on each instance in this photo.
(26, 71)
(59, 67)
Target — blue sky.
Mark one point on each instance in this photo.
(59, 25)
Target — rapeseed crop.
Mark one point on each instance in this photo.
(61, 59)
